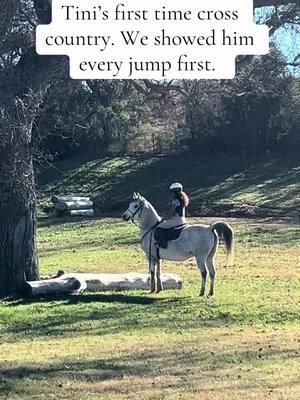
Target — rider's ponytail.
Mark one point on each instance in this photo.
(185, 199)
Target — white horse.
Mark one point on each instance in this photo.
(199, 241)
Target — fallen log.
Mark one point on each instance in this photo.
(55, 286)
(81, 213)
(127, 281)
(73, 205)
(76, 282)
(55, 199)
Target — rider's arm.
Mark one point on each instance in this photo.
(171, 210)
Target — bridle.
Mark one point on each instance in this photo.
(133, 214)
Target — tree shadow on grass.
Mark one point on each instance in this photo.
(71, 299)
(171, 366)
(109, 314)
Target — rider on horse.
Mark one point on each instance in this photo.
(175, 215)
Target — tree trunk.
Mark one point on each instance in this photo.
(23, 86)
(31, 257)
(18, 259)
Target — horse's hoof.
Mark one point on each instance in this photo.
(159, 288)
(201, 294)
(152, 291)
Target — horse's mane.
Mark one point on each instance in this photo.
(153, 209)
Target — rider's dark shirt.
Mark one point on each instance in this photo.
(180, 208)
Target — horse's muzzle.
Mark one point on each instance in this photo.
(125, 217)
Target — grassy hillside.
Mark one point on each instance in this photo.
(220, 186)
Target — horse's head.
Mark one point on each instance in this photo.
(135, 207)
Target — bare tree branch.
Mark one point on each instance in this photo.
(43, 10)
(269, 3)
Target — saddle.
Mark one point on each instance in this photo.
(162, 236)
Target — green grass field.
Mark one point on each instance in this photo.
(242, 344)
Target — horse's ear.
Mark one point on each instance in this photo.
(141, 198)
(137, 196)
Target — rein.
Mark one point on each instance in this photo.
(151, 230)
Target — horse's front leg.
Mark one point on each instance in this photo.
(152, 275)
(159, 287)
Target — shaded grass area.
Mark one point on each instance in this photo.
(223, 363)
(220, 186)
(243, 343)
(157, 371)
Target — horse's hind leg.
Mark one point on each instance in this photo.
(158, 280)
(202, 268)
(210, 263)
(211, 270)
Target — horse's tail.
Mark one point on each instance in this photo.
(225, 230)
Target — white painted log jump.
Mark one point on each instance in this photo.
(73, 206)
(55, 199)
(81, 213)
(78, 282)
